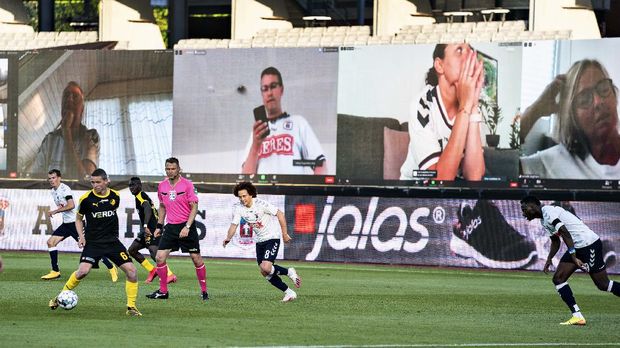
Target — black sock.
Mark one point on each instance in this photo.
(280, 270)
(567, 296)
(615, 288)
(107, 262)
(276, 281)
(54, 258)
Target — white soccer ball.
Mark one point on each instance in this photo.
(67, 299)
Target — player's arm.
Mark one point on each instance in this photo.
(190, 220)
(570, 244)
(79, 226)
(555, 246)
(282, 220)
(160, 220)
(69, 206)
(231, 232)
(146, 207)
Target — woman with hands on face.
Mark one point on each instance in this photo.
(444, 124)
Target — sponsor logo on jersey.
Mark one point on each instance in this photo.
(246, 232)
(281, 144)
(102, 214)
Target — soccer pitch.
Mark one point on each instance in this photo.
(338, 305)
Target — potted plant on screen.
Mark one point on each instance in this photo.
(492, 117)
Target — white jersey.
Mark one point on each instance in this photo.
(290, 138)
(60, 196)
(556, 217)
(261, 217)
(557, 163)
(429, 131)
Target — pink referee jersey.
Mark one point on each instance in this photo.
(176, 199)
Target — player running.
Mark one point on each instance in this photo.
(63, 198)
(584, 251)
(100, 238)
(259, 214)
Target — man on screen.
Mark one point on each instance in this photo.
(281, 143)
(71, 147)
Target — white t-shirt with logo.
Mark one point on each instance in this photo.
(290, 138)
(60, 196)
(261, 217)
(556, 217)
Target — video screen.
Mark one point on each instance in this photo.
(570, 101)
(256, 111)
(399, 110)
(80, 110)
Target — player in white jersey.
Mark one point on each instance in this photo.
(268, 225)
(444, 123)
(283, 143)
(584, 251)
(63, 198)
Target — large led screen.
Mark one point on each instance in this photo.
(221, 96)
(570, 102)
(79, 110)
(399, 110)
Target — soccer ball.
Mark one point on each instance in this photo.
(67, 299)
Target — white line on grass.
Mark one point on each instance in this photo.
(537, 344)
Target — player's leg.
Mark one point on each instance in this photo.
(201, 273)
(172, 278)
(266, 253)
(560, 279)
(289, 272)
(73, 281)
(134, 251)
(598, 271)
(52, 242)
(603, 283)
(111, 268)
(191, 245)
(117, 253)
(162, 271)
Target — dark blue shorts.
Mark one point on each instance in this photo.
(267, 250)
(65, 230)
(592, 256)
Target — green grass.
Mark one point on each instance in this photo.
(337, 305)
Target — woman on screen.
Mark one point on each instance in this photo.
(589, 142)
(444, 122)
